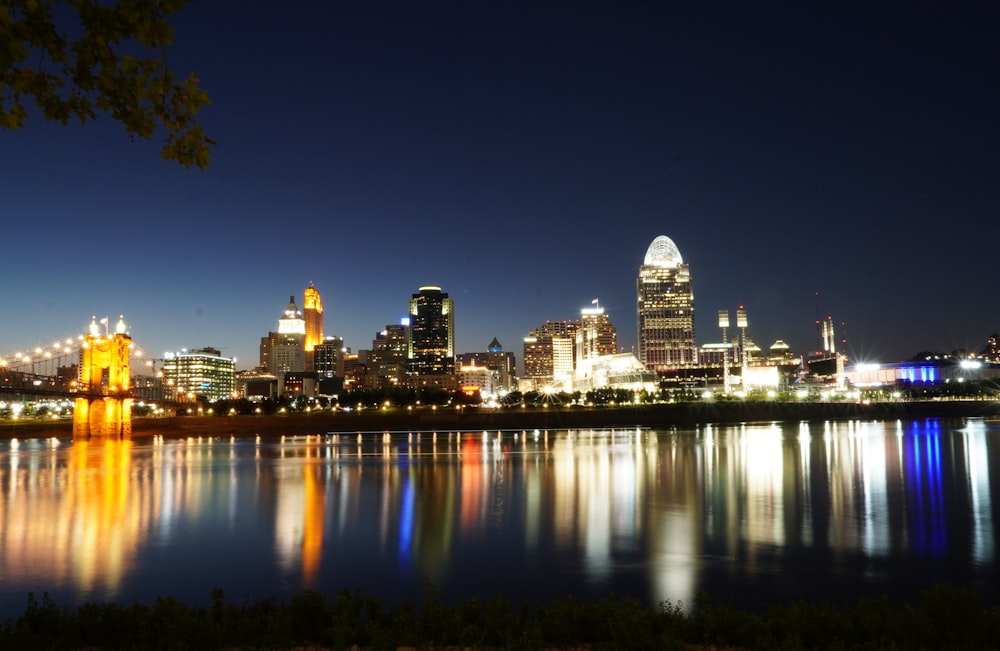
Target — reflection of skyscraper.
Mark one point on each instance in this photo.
(313, 314)
(431, 336)
(665, 308)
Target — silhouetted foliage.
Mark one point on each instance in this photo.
(945, 617)
(75, 58)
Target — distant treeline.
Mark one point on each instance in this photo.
(943, 618)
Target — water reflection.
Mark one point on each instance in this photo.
(72, 516)
(752, 511)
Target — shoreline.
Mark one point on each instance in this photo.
(473, 419)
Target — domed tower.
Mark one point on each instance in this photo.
(291, 320)
(288, 344)
(665, 308)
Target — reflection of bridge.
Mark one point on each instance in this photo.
(93, 370)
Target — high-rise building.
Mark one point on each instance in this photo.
(312, 311)
(597, 336)
(991, 352)
(292, 322)
(328, 357)
(387, 359)
(549, 353)
(287, 355)
(284, 351)
(665, 308)
(431, 335)
(203, 372)
(503, 365)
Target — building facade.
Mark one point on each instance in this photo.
(431, 333)
(503, 365)
(597, 336)
(328, 357)
(387, 358)
(284, 351)
(204, 372)
(665, 309)
(312, 314)
(549, 354)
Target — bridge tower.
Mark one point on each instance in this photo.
(104, 408)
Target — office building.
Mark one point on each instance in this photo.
(991, 352)
(503, 365)
(473, 379)
(284, 351)
(665, 309)
(328, 358)
(596, 335)
(312, 314)
(204, 372)
(549, 354)
(431, 335)
(387, 358)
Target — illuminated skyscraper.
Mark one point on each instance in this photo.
(431, 335)
(549, 353)
(328, 358)
(292, 322)
(387, 359)
(665, 308)
(284, 351)
(313, 314)
(596, 336)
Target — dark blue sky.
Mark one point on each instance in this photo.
(522, 156)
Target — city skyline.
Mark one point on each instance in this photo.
(521, 158)
(827, 331)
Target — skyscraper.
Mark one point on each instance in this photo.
(291, 321)
(496, 360)
(665, 308)
(284, 351)
(328, 357)
(549, 353)
(431, 335)
(597, 336)
(312, 311)
(387, 359)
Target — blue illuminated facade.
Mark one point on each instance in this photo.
(923, 372)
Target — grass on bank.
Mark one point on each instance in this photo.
(943, 618)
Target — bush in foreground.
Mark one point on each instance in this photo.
(944, 618)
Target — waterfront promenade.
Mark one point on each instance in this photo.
(555, 417)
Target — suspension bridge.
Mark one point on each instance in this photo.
(94, 370)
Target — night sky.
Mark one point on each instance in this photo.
(808, 159)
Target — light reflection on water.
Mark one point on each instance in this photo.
(757, 512)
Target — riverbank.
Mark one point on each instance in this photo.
(541, 418)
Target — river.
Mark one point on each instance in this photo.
(748, 513)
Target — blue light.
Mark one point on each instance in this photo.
(406, 522)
